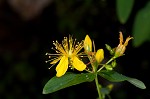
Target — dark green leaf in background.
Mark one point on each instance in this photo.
(69, 79)
(141, 26)
(124, 8)
(116, 77)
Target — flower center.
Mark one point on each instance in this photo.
(70, 53)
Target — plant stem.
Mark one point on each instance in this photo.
(106, 63)
(97, 86)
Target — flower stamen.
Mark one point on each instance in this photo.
(67, 54)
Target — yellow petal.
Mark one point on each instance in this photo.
(62, 66)
(99, 55)
(87, 44)
(78, 64)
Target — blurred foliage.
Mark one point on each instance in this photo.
(124, 9)
(141, 24)
(28, 27)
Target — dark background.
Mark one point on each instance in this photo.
(27, 29)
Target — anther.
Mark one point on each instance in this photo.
(47, 61)
(46, 53)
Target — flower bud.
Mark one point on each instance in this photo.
(87, 44)
(111, 51)
(110, 86)
(108, 67)
(113, 63)
(99, 55)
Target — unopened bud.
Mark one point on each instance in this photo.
(99, 55)
(109, 67)
(111, 51)
(113, 64)
(87, 44)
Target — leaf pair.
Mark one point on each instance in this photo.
(70, 79)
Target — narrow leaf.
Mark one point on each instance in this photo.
(141, 30)
(124, 8)
(116, 77)
(69, 79)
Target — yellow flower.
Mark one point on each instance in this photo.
(122, 47)
(99, 56)
(87, 44)
(67, 55)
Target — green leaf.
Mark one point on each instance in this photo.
(124, 8)
(116, 77)
(141, 29)
(69, 79)
(137, 83)
(112, 76)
